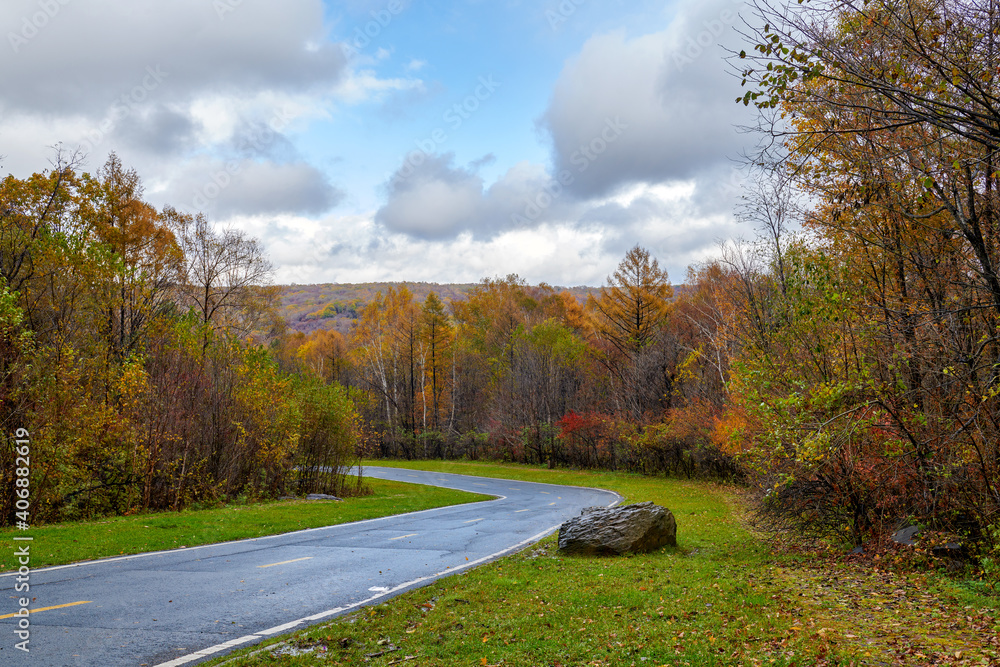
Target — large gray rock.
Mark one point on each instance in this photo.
(906, 536)
(619, 530)
(321, 496)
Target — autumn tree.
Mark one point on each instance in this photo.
(886, 113)
(30, 210)
(329, 438)
(634, 303)
(326, 354)
(551, 366)
(16, 346)
(630, 313)
(487, 324)
(143, 260)
(126, 353)
(386, 341)
(38, 224)
(436, 340)
(912, 83)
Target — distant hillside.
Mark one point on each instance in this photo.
(308, 308)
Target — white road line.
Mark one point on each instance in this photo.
(472, 520)
(279, 628)
(204, 653)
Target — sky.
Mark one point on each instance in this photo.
(399, 140)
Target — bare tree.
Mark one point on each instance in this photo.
(226, 276)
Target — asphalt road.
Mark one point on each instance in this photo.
(184, 606)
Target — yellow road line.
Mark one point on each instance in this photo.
(551, 504)
(403, 537)
(516, 511)
(472, 521)
(286, 562)
(58, 606)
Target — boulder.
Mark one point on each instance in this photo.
(321, 496)
(952, 551)
(955, 553)
(906, 536)
(619, 530)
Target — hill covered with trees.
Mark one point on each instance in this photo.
(336, 307)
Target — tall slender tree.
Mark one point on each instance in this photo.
(630, 312)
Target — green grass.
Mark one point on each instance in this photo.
(724, 596)
(712, 600)
(58, 544)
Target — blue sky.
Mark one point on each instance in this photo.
(399, 140)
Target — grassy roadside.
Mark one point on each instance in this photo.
(723, 597)
(63, 543)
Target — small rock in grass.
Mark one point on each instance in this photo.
(321, 496)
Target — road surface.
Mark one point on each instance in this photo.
(181, 607)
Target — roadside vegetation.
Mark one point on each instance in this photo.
(69, 542)
(726, 595)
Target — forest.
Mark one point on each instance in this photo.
(843, 362)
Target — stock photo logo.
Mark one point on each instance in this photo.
(33, 24)
(253, 142)
(124, 107)
(455, 116)
(582, 159)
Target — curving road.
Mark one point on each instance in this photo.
(180, 607)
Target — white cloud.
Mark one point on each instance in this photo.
(248, 187)
(571, 242)
(363, 85)
(430, 197)
(89, 54)
(180, 90)
(668, 94)
(355, 249)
